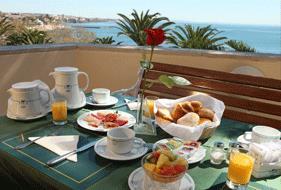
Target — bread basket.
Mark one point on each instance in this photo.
(198, 132)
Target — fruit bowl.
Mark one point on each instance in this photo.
(164, 167)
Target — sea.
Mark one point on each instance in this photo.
(265, 39)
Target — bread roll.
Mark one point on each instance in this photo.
(190, 119)
(178, 112)
(164, 114)
(187, 106)
(197, 105)
(204, 120)
(206, 113)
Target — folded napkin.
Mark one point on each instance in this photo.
(132, 105)
(59, 144)
(266, 152)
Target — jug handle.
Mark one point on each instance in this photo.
(87, 79)
(52, 74)
(49, 96)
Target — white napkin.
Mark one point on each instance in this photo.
(266, 152)
(132, 105)
(59, 144)
(190, 133)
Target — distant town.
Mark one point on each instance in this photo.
(48, 21)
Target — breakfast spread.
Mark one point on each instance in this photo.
(164, 166)
(187, 113)
(107, 120)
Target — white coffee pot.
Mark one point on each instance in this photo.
(29, 99)
(67, 86)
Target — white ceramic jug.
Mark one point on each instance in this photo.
(67, 87)
(29, 99)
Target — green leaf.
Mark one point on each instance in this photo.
(179, 80)
(167, 81)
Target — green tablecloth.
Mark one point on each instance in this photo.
(26, 169)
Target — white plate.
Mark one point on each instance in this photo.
(137, 151)
(112, 100)
(11, 116)
(136, 178)
(196, 157)
(131, 120)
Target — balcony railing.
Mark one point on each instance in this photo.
(115, 67)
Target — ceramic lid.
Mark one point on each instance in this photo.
(24, 85)
(66, 69)
(266, 131)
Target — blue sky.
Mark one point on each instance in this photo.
(260, 12)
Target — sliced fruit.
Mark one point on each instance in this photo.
(180, 161)
(169, 154)
(168, 171)
(179, 168)
(162, 160)
(150, 167)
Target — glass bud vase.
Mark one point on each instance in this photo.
(144, 123)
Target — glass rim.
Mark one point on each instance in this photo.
(151, 97)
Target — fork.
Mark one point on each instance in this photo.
(21, 146)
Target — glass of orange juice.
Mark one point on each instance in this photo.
(149, 102)
(59, 112)
(240, 169)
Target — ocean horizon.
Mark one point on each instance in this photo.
(264, 38)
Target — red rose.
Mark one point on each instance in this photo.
(154, 36)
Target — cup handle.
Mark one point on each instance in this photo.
(138, 142)
(87, 79)
(49, 96)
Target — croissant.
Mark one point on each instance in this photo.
(197, 105)
(206, 113)
(178, 112)
(187, 106)
(164, 114)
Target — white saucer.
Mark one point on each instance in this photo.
(102, 150)
(112, 100)
(243, 141)
(196, 157)
(135, 181)
(14, 117)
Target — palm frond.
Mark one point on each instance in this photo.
(240, 46)
(134, 26)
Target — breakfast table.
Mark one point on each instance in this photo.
(26, 168)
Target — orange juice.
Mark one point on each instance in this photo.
(150, 104)
(59, 111)
(240, 168)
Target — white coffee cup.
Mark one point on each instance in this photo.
(120, 140)
(263, 134)
(100, 95)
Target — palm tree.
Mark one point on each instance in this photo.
(196, 38)
(5, 28)
(240, 46)
(29, 36)
(106, 40)
(134, 27)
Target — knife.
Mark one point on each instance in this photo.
(63, 157)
